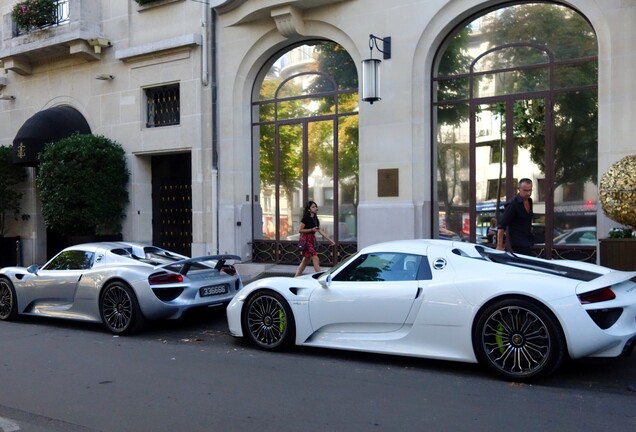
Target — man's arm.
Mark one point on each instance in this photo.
(504, 221)
(500, 239)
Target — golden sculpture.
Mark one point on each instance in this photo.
(618, 191)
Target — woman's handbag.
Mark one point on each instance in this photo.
(303, 245)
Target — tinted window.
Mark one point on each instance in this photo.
(381, 267)
(71, 260)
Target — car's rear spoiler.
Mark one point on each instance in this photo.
(612, 278)
(187, 263)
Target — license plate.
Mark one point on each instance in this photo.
(213, 290)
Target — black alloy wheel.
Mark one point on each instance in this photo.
(119, 309)
(519, 340)
(268, 321)
(8, 301)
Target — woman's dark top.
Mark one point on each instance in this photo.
(310, 222)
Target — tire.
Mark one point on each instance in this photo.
(519, 340)
(268, 321)
(119, 309)
(8, 301)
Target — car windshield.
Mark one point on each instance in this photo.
(335, 268)
(530, 264)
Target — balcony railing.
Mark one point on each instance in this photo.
(62, 16)
(74, 31)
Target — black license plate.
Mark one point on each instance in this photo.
(213, 290)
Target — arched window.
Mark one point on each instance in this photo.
(305, 129)
(516, 96)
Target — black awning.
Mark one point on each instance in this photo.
(44, 127)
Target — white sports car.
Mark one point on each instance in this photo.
(120, 284)
(518, 315)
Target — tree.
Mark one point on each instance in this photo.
(289, 161)
(450, 152)
(82, 181)
(569, 37)
(333, 60)
(10, 176)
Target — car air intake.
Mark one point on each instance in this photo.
(167, 294)
(605, 318)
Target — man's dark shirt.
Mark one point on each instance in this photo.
(519, 223)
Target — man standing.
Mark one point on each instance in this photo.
(517, 218)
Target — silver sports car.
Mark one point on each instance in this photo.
(120, 284)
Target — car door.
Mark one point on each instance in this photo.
(57, 281)
(374, 293)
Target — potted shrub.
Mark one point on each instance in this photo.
(82, 181)
(30, 15)
(618, 195)
(10, 176)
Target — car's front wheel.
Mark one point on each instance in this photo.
(519, 340)
(268, 321)
(119, 309)
(8, 302)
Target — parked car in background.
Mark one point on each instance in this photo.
(577, 236)
(446, 234)
(538, 231)
(119, 284)
(519, 316)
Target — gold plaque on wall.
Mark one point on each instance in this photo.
(388, 182)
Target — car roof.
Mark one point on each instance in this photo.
(106, 245)
(416, 246)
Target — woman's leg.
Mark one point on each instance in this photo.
(316, 262)
(301, 266)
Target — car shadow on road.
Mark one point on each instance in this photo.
(209, 326)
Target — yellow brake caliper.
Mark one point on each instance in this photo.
(281, 321)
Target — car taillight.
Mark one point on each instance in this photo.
(165, 278)
(229, 270)
(597, 296)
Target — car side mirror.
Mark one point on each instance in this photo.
(33, 269)
(325, 280)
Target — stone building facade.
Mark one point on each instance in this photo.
(113, 61)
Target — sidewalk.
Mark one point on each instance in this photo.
(251, 271)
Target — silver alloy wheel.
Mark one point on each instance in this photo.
(516, 341)
(117, 308)
(267, 321)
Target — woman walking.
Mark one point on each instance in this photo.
(309, 226)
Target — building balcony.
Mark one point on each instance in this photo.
(76, 33)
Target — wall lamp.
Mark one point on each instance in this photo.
(371, 69)
(105, 77)
(7, 97)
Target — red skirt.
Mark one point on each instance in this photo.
(311, 245)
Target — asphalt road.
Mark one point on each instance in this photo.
(192, 376)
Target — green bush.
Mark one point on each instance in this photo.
(82, 181)
(10, 176)
(143, 2)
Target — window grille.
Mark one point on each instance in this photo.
(162, 105)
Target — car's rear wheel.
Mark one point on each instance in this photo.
(8, 301)
(119, 309)
(519, 340)
(268, 321)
